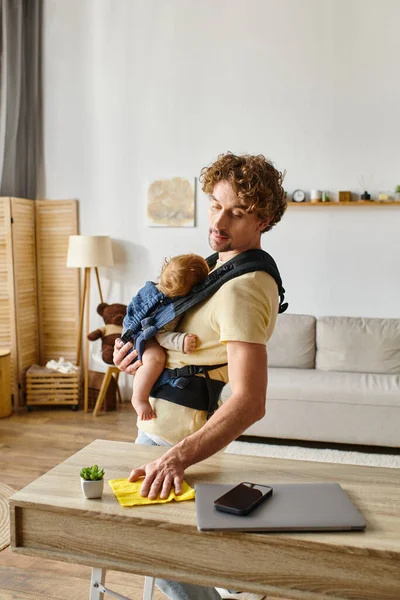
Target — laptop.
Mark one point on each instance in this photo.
(292, 507)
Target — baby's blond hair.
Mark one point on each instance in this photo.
(180, 273)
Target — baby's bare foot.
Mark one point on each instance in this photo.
(189, 343)
(143, 409)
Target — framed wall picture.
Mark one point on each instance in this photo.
(171, 202)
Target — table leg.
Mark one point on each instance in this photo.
(97, 584)
(97, 589)
(148, 589)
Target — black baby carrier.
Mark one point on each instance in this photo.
(150, 310)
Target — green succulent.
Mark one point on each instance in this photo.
(93, 473)
(397, 189)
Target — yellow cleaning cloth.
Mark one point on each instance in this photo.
(128, 494)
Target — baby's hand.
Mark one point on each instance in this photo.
(189, 343)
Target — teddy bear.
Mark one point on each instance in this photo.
(113, 316)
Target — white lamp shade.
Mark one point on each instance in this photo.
(90, 251)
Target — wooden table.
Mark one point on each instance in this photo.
(50, 518)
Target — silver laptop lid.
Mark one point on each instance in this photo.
(292, 507)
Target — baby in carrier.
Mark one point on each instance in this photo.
(178, 276)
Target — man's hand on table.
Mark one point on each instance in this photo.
(123, 360)
(159, 476)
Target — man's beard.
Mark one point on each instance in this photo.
(223, 246)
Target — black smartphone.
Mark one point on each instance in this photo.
(243, 498)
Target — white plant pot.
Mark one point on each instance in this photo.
(92, 489)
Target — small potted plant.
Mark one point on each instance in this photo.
(397, 193)
(92, 481)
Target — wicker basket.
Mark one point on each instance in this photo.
(50, 387)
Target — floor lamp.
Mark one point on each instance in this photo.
(87, 252)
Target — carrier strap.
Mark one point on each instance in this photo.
(246, 262)
(187, 371)
(181, 386)
(251, 261)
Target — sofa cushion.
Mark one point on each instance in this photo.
(358, 345)
(321, 386)
(293, 342)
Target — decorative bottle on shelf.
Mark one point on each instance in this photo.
(325, 196)
(365, 196)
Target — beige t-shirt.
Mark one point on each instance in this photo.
(244, 310)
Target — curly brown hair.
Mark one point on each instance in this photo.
(180, 273)
(255, 181)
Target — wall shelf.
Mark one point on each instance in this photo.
(355, 203)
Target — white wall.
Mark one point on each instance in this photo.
(138, 89)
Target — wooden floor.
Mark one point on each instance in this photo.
(31, 444)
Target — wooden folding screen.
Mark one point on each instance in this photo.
(7, 316)
(19, 326)
(58, 286)
(39, 295)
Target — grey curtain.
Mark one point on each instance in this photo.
(20, 97)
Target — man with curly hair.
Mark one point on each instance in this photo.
(246, 199)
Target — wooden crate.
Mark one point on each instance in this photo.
(50, 387)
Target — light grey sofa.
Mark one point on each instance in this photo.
(333, 379)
